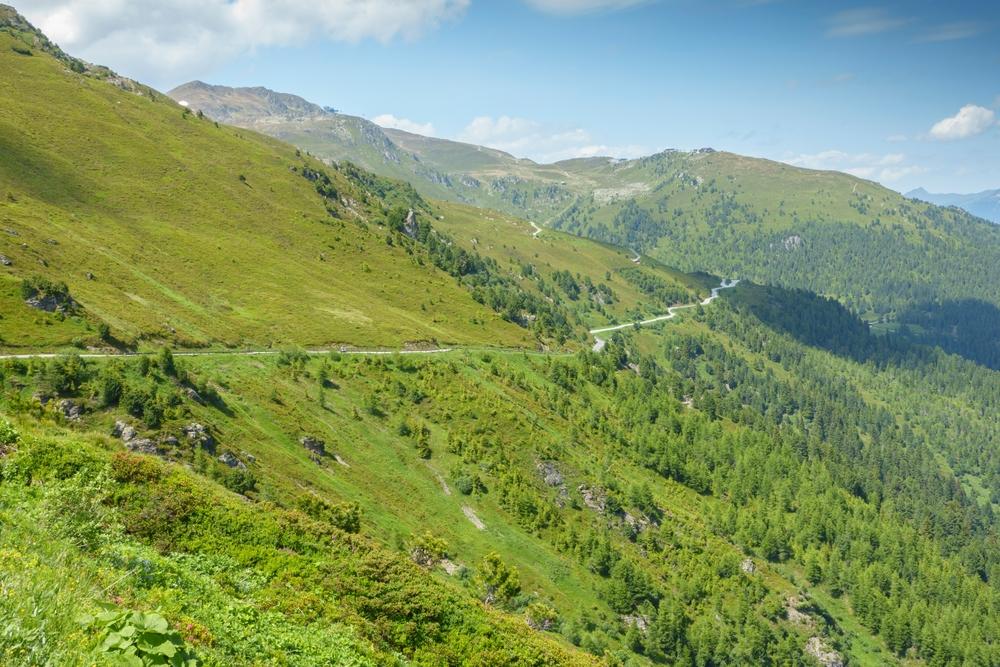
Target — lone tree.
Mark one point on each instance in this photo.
(498, 581)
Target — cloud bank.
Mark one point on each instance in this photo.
(405, 124)
(182, 38)
(527, 138)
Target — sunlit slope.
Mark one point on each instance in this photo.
(572, 269)
(166, 226)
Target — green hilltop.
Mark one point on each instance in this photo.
(363, 422)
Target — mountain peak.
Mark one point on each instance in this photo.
(245, 105)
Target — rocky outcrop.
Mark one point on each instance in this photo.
(198, 434)
(824, 654)
(70, 410)
(230, 460)
(550, 473)
(315, 446)
(51, 303)
(130, 437)
(592, 498)
(410, 224)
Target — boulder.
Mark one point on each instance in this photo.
(592, 498)
(141, 446)
(748, 566)
(824, 655)
(315, 446)
(124, 430)
(550, 474)
(228, 459)
(6, 261)
(198, 434)
(70, 410)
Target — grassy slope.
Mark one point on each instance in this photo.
(103, 181)
(512, 243)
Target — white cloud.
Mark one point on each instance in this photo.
(968, 122)
(405, 124)
(582, 6)
(886, 168)
(170, 39)
(951, 31)
(865, 21)
(527, 138)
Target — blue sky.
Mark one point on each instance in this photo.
(866, 88)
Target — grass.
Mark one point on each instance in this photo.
(200, 234)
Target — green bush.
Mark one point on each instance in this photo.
(136, 639)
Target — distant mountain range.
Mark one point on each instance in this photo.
(701, 210)
(985, 204)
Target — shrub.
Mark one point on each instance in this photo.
(541, 616)
(240, 481)
(8, 437)
(127, 467)
(139, 639)
(498, 582)
(428, 549)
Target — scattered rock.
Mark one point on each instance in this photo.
(198, 434)
(193, 395)
(90, 276)
(228, 459)
(748, 566)
(640, 523)
(592, 498)
(550, 474)
(51, 303)
(170, 441)
(141, 445)
(796, 616)
(52, 241)
(6, 261)
(824, 654)
(341, 461)
(70, 410)
(314, 445)
(124, 430)
(248, 457)
(639, 621)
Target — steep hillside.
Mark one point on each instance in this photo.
(168, 227)
(883, 255)
(764, 479)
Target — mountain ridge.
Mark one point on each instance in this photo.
(985, 204)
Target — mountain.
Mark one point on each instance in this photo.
(876, 251)
(985, 204)
(380, 430)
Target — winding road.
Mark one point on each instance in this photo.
(599, 342)
(671, 313)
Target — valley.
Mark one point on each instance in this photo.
(278, 386)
